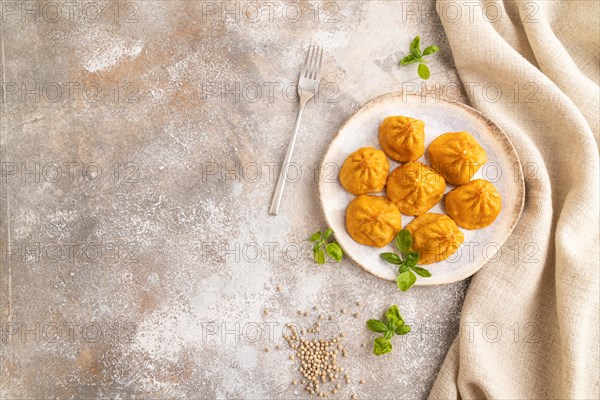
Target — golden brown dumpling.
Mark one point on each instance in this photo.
(435, 237)
(415, 188)
(402, 138)
(365, 171)
(456, 156)
(373, 220)
(474, 205)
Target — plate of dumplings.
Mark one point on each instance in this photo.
(440, 170)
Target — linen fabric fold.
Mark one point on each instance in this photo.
(530, 320)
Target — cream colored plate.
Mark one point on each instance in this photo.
(503, 169)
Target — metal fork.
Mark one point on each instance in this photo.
(308, 84)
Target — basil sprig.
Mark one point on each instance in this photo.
(416, 55)
(406, 261)
(394, 325)
(324, 244)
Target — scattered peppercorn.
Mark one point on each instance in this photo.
(317, 357)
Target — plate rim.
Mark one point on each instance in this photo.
(424, 98)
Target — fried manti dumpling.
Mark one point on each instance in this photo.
(365, 171)
(373, 220)
(402, 138)
(474, 205)
(435, 237)
(415, 188)
(456, 156)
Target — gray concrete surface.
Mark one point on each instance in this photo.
(140, 141)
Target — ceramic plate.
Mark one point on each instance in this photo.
(503, 169)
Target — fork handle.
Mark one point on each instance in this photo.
(276, 202)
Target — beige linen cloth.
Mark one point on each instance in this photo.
(529, 324)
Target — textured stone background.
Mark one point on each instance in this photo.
(140, 141)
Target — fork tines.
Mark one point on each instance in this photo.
(312, 65)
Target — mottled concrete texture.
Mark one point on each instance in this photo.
(139, 146)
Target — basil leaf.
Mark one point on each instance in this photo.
(376, 325)
(405, 280)
(391, 258)
(409, 59)
(402, 330)
(391, 325)
(404, 241)
(334, 251)
(393, 314)
(415, 46)
(327, 233)
(423, 71)
(411, 258)
(403, 267)
(382, 346)
(315, 237)
(421, 272)
(430, 50)
(398, 323)
(319, 256)
(317, 245)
